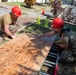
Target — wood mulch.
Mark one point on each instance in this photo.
(24, 55)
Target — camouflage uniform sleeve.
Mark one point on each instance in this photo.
(65, 39)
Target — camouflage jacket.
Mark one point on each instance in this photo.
(68, 37)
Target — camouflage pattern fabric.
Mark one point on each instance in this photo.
(66, 56)
(13, 28)
(69, 39)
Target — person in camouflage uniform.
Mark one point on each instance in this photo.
(67, 40)
(8, 23)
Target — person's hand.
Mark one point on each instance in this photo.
(13, 37)
(56, 43)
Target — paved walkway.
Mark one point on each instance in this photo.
(5, 5)
(27, 13)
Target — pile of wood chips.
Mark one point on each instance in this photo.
(24, 55)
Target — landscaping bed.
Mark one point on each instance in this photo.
(41, 28)
(38, 28)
